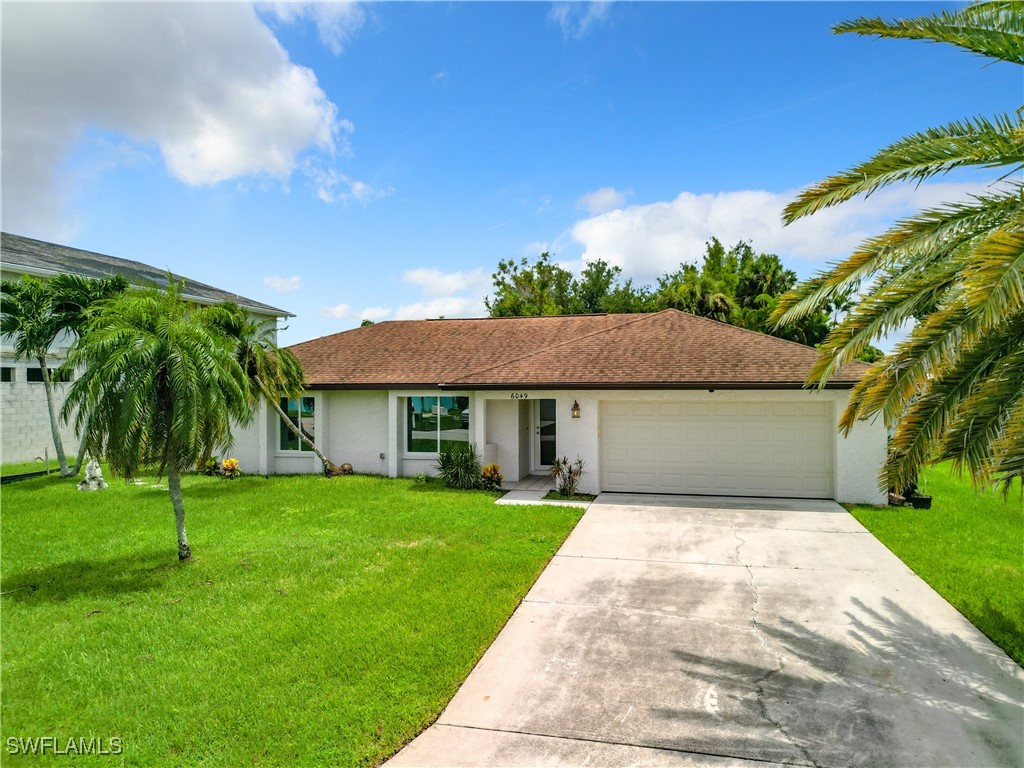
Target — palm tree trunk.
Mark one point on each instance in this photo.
(330, 468)
(79, 459)
(58, 444)
(174, 486)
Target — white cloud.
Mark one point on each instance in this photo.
(333, 186)
(647, 240)
(434, 282)
(283, 284)
(602, 200)
(339, 312)
(207, 84)
(375, 313)
(439, 77)
(345, 312)
(577, 18)
(445, 306)
(335, 21)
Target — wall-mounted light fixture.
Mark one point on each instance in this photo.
(575, 409)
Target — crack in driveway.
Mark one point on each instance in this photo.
(759, 683)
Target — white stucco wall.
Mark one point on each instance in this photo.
(502, 431)
(357, 430)
(358, 426)
(858, 457)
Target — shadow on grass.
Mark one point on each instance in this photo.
(128, 573)
(872, 697)
(1004, 629)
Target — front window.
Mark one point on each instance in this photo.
(435, 423)
(301, 413)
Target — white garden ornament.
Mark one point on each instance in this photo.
(93, 477)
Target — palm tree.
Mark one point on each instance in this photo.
(273, 373)
(954, 388)
(160, 387)
(35, 312)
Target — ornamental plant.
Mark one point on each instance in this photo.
(230, 469)
(492, 477)
(567, 475)
(458, 464)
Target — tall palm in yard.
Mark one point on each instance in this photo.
(272, 373)
(160, 387)
(34, 313)
(954, 388)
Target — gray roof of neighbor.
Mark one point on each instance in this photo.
(40, 256)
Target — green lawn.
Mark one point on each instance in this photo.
(322, 622)
(29, 466)
(969, 546)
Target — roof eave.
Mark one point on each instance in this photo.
(673, 385)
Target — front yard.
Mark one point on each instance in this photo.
(969, 547)
(322, 622)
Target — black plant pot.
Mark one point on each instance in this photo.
(919, 501)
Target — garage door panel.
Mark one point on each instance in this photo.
(743, 448)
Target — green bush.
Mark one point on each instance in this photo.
(458, 464)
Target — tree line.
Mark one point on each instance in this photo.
(738, 286)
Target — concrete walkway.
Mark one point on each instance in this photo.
(684, 631)
(532, 490)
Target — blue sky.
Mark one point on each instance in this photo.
(378, 160)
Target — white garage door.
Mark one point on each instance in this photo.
(725, 448)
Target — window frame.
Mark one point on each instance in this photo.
(11, 372)
(302, 450)
(437, 397)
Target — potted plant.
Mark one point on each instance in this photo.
(915, 498)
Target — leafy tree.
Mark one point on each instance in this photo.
(34, 313)
(272, 373)
(590, 292)
(160, 387)
(954, 388)
(737, 286)
(523, 289)
(625, 298)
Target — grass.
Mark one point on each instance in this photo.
(969, 547)
(556, 496)
(29, 466)
(321, 622)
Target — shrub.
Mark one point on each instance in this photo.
(208, 466)
(567, 474)
(492, 477)
(458, 464)
(230, 469)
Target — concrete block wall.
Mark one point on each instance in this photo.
(24, 422)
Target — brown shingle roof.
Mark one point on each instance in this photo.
(668, 349)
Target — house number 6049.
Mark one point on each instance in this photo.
(520, 395)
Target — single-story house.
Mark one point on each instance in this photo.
(26, 425)
(653, 403)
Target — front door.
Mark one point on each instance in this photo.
(544, 428)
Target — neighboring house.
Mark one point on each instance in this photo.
(24, 423)
(654, 403)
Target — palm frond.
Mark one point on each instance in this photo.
(981, 142)
(993, 29)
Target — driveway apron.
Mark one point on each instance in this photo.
(675, 630)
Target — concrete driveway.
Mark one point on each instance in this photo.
(707, 631)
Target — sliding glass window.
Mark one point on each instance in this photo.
(434, 423)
